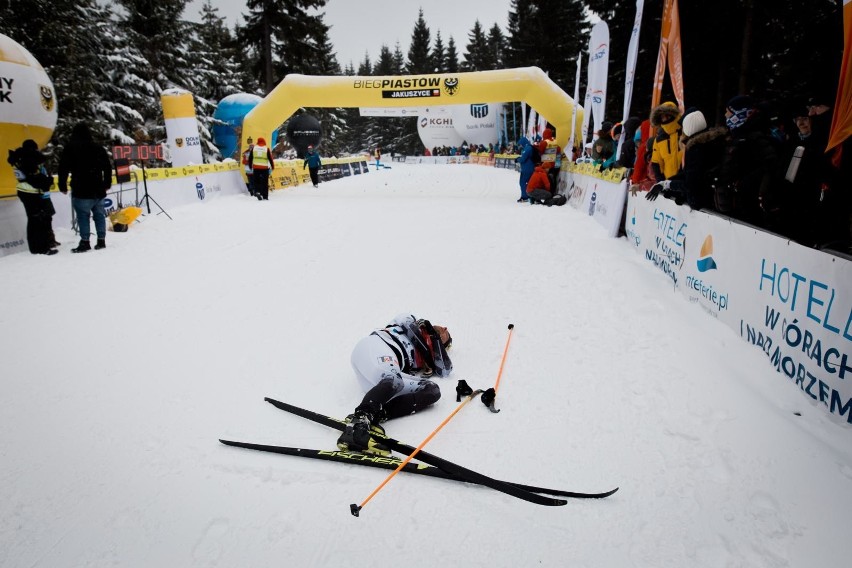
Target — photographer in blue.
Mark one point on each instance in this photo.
(528, 162)
(313, 163)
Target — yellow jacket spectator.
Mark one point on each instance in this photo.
(666, 153)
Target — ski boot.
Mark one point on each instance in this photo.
(358, 435)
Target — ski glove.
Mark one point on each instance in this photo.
(657, 189)
(488, 397)
(463, 389)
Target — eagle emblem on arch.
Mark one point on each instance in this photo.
(451, 85)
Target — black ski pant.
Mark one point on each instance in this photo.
(39, 229)
(383, 404)
(314, 175)
(260, 182)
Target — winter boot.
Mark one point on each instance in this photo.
(82, 247)
(358, 435)
(101, 244)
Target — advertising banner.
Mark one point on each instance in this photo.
(477, 123)
(167, 187)
(436, 131)
(597, 76)
(569, 148)
(407, 111)
(670, 53)
(28, 106)
(630, 69)
(181, 127)
(792, 302)
(600, 198)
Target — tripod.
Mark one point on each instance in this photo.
(147, 199)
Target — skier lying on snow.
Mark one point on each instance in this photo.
(393, 365)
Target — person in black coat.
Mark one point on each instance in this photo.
(628, 148)
(33, 190)
(751, 175)
(91, 177)
(704, 152)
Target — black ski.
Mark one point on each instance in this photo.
(428, 458)
(382, 462)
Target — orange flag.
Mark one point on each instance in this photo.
(670, 53)
(841, 122)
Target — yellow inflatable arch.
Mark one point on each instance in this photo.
(528, 84)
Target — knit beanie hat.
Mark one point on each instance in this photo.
(694, 123)
(740, 103)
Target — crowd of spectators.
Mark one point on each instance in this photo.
(464, 150)
(764, 167)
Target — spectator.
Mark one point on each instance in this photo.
(91, 177)
(538, 188)
(33, 190)
(551, 155)
(615, 134)
(393, 365)
(627, 158)
(603, 148)
(313, 163)
(262, 164)
(527, 166)
(642, 138)
(704, 151)
(806, 172)
(749, 187)
(665, 155)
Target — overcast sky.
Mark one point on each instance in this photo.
(363, 26)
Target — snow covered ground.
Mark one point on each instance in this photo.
(121, 368)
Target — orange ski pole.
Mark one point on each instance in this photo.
(356, 509)
(489, 395)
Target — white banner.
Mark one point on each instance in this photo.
(438, 131)
(601, 199)
(598, 72)
(181, 127)
(531, 125)
(165, 193)
(569, 149)
(477, 123)
(791, 302)
(630, 70)
(542, 124)
(409, 111)
(587, 106)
